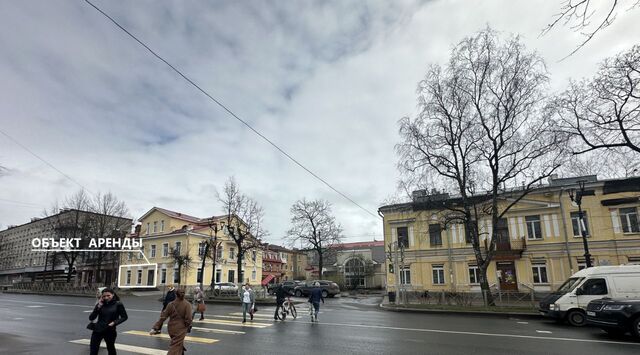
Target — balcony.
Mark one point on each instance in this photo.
(510, 249)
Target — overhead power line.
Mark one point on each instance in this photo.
(228, 110)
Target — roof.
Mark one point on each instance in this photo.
(602, 270)
(173, 214)
(354, 245)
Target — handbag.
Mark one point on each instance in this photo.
(255, 309)
(91, 326)
(201, 308)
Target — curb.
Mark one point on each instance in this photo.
(467, 313)
(47, 294)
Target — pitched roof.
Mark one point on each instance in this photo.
(353, 245)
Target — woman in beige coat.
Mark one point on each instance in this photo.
(179, 314)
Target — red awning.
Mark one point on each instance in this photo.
(267, 280)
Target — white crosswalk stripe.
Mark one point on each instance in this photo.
(188, 338)
(125, 347)
(233, 323)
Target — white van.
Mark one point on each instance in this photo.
(570, 301)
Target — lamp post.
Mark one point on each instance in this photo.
(576, 196)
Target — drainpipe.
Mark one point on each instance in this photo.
(451, 266)
(564, 231)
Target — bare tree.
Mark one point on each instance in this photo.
(181, 260)
(482, 128)
(589, 19)
(110, 220)
(604, 112)
(245, 222)
(314, 226)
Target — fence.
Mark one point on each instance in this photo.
(55, 287)
(528, 299)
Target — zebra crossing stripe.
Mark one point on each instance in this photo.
(213, 330)
(125, 347)
(233, 323)
(261, 316)
(166, 336)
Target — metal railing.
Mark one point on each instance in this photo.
(528, 299)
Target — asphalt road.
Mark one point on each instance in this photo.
(31, 324)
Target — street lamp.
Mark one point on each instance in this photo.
(576, 196)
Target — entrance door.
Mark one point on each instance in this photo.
(150, 275)
(507, 276)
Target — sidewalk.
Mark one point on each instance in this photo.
(460, 310)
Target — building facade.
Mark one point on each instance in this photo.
(19, 263)
(280, 264)
(539, 245)
(174, 241)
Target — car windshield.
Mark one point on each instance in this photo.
(570, 284)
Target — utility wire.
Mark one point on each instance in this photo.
(228, 110)
(43, 160)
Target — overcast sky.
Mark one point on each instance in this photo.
(325, 80)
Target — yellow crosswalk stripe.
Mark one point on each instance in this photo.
(166, 336)
(125, 347)
(213, 330)
(234, 323)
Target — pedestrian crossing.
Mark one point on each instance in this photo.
(203, 332)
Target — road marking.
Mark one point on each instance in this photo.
(213, 330)
(125, 347)
(35, 306)
(523, 322)
(166, 336)
(233, 323)
(18, 318)
(543, 331)
(77, 305)
(263, 316)
(498, 335)
(87, 311)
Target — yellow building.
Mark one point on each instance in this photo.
(162, 231)
(540, 242)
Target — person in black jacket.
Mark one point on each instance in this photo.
(169, 297)
(110, 312)
(281, 294)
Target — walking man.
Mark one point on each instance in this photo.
(169, 297)
(281, 294)
(314, 298)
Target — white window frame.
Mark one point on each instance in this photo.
(584, 224)
(440, 279)
(540, 267)
(163, 276)
(153, 250)
(128, 278)
(155, 226)
(475, 272)
(139, 277)
(165, 250)
(625, 220)
(162, 225)
(178, 247)
(232, 253)
(148, 228)
(405, 275)
(533, 227)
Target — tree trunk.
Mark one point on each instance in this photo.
(320, 264)
(239, 265)
(484, 286)
(204, 261)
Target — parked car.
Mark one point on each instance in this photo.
(615, 316)
(288, 286)
(570, 301)
(329, 288)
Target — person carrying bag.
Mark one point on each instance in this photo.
(179, 314)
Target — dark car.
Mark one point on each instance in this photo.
(287, 285)
(329, 288)
(616, 317)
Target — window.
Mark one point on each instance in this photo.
(231, 276)
(178, 247)
(162, 225)
(232, 253)
(534, 227)
(129, 256)
(435, 235)
(405, 276)
(139, 279)
(403, 236)
(253, 255)
(153, 250)
(629, 220)
(473, 274)
(176, 275)
(253, 274)
(218, 276)
(594, 287)
(155, 226)
(202, 248)
(539, 273)
(148, 229)
(199, 275)
(438, 274)
(634, 260)
(219, 253)
(163, 276)
(128, 277)
(165, 249)
(577, 226)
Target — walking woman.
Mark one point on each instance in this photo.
(179, 314)
(110, 312)
(248, 298)
(198, 303)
